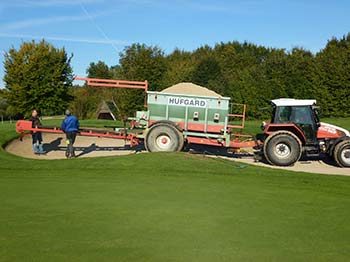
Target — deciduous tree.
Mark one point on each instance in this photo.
(38, 75)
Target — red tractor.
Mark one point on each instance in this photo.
(295, 129)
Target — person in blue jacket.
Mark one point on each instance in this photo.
(70, 126)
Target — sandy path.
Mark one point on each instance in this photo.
(312, 166)
(55, 145)
(324, 166)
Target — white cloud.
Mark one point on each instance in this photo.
(49, 20)
(48, 3)
(67, 39)
(40, 21)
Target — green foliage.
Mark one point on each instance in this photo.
(85, 102)
(140, 62)
(88, 99)
(3, 105)
(38, 75)
(334, 77)
(180, 66)
(99, 70)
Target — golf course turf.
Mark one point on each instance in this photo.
(168, 207)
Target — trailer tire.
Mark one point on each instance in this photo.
(172, 124)
(164, 138)
(342, 153)
(282, 148)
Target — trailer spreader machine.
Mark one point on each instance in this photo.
(182, 114)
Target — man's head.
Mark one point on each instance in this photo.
(68, 113)
(34, 113)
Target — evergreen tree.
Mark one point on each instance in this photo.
(334, 77)
(99, 70)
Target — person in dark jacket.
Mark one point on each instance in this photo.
(70, 126)
(37, 139)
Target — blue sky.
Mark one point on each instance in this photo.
(99, 29)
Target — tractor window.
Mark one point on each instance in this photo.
(283, 115)
(316, 115)
(302, 115)
(293, 114)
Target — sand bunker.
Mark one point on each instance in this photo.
(55, 145)
(190, 89)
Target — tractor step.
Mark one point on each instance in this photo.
(312, 154)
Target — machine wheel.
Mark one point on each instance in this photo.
(342, 153)
(164, 138)
(171, 124)
(282, 148)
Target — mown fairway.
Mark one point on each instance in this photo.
(168, 207)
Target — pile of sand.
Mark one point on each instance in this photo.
(190, 89)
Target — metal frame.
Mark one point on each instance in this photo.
(24, 126)
(98, 82)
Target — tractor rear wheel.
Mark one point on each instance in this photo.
(164, 138)
(342, 153)
(282, 148)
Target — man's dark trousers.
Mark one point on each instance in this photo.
(70, 142)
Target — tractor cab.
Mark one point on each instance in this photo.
(302, 113)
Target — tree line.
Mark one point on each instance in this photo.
(246, 72)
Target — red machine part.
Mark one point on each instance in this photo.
(97, 82)
(235, 144)
(23, 126)
(114, 83)
(271, 128)
(329, 131)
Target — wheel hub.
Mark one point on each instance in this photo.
(163, 141)
(282, 150)
(346, 155)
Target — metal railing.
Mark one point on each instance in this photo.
(98, 82)
(240, 116)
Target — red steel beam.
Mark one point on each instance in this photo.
(98, 82)
(23, 126)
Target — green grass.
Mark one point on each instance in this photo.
(342, 122)
(168, 207)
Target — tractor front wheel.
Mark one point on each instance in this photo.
(342, 153)
(282, 148)
(164, 138)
